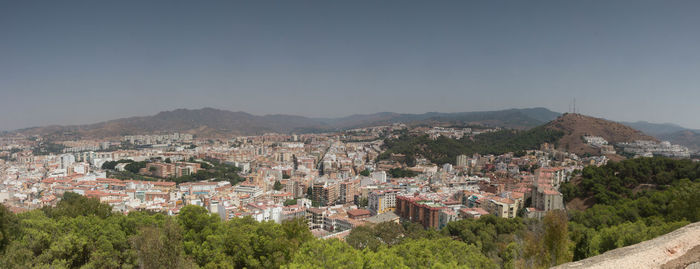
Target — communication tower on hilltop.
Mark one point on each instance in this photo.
(572, 107)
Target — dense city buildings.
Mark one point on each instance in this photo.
(335, 181)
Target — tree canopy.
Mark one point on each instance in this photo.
(445, 150)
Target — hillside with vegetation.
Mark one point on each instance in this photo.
(445, 150)
(630, 178)
(575, 126)
(634, 200)
(565, 133)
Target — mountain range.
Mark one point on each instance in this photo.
(210, 122)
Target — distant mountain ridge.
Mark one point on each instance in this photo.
(210, 122)
(509, 118)
(657, 128)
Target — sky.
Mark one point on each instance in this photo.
(77, 62)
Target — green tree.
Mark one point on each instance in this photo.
(365, 173)
(398, 173)
(197, 223)
(364, 237)
(36, 235)
(410, 161)
(383, 259)
(556, 237)
(386, 234)
(109, 165)
(278, 186)
(73, 205)
(686, 202)
(8, 227)
(135, 167)
(440, 253)
(362, 202)
(160, 247)
(489, 233)
(331, 253)
(309, 192)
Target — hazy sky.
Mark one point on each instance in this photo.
(69, 62)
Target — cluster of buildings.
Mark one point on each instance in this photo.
(436, 132)
(168, 170)
(157, 139)
(639, 148)
(646, 148)
(600, 143)
(456, 133)
(331, 179)
(87, 145)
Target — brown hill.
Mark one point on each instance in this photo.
(575, 126)
(206, 122)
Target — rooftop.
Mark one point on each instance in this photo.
(384, 217)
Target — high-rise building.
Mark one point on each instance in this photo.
(67, 160)
(447, 167)
(325, 193)
(379, 176)
(419, 210)
(461, 161)
(381, 201)
(546, 198)
(347, 191)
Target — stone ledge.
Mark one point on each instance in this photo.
(667, 251)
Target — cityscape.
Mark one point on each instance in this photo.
(334, 183)
(312, 134)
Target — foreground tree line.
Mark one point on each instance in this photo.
(83, 233)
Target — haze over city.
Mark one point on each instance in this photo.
(76, 62)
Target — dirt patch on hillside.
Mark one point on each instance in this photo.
(615, 157)
(580, 204)
(644, 187)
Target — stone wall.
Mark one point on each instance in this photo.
(677, 249)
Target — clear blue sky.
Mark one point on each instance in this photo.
(73, 62)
